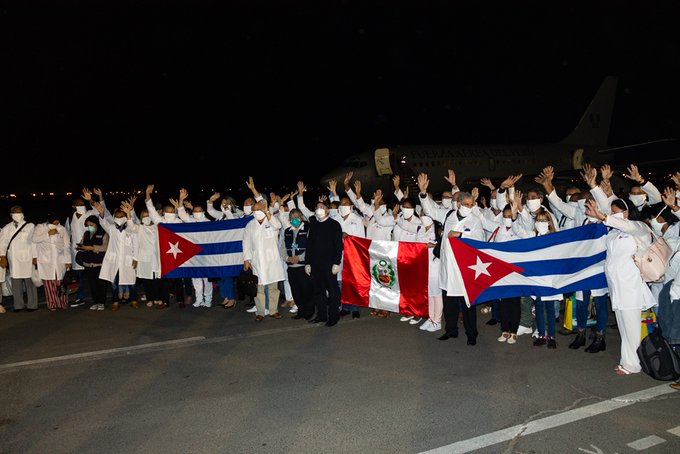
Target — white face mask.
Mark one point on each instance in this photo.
(17, 217)
(120, 221)
(382, 209)
(51, 227)
(638, 199)
(533, 204)
(226, 209)
(464, 211)
(656, 226)
(618, 215)
(169, 216)
(344, 210)
(334, 212)
(80, 209)
(408, 212)
(542, 227)
(259, 215)
(247, 209)
(507, 222)
(320, 213)
(447, 203)
(146, 220)
(199, 215)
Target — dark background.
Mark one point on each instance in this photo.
(203, 93)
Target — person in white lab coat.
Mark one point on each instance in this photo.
(629, 294)
(75, 226)
(261, 253)
(17, 253)
(53, 253)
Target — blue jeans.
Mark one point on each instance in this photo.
(119, 289)
(227, 287)
(80, 293)
(496, 309)
(601, 311)
(541, 309)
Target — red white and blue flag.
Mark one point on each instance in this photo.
(202, 249)
(561, 262)
(386, 275)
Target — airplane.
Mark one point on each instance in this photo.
(587, 143)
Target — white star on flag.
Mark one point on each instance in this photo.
(480, 268)
(174, 249)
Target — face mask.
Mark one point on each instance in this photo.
(17, 217)
(199, 215)
(146, 220)
(320, 213)
(247, 210)
(344, 210)
(296, 222)
(656, 226)
(80, 209)
(464, 211)
(618, 215)
(447, 203)
(533, 204)
(91, 228)
(334, 212)
(382, 209)
(542, 227)
(51, 226)
(507, 222)
(226, 209)
(259, 215)
(582, 205)
(638, 199)
(169, 216)
(408, 212)
(120, 221)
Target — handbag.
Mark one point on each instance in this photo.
(35, 277)
(247, 283)
(653, 262)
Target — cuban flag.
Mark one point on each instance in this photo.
(560, 262)
(386, 275)
(202, 249)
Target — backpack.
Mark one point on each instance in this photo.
(439, 232)
(653, 262)
(657, 358)
(247, 283)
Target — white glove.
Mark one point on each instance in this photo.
(335, 269)
(308, 270)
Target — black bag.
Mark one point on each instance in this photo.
(69, 283)
(80, 256)
(657, 358)
(247, 283)
(438, 228)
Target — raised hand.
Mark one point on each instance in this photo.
(348, 178)
(633, 174)
(183, 194)
(475, 194)
(510, 181)
(99, 193)
(149, 190)
(676, 179)
(174, 202)
(423, 182)
(395, 182)
(487, 183)
(606, 171)
(668, 196)
(214, 197)
(357, 188)
(589, 175)
(87, 194)
(451, 178)
(332, 184)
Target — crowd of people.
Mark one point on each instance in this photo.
(297, 253)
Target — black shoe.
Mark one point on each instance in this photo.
(31, 310)
(356, 314)
(77, 303)
(552, 343)
(297, 317)
(317, 320)
(492, 322)
(472, 340)
(17, 310)
(598, 344)
(446, 336)
(539, 341)
(331, 323)
(579, 341)
(343, 313)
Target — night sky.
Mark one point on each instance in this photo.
(91, 90)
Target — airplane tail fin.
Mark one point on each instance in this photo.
(593, 127)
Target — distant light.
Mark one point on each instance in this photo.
(51, 193)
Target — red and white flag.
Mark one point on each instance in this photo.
(386, 275)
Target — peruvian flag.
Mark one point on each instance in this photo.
(386, 275)
(174, 249)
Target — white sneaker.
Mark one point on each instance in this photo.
(535, 333)
(425, 325)
(100, 307)
(266, 312)
(293, 309)
(94, 307)
(415, 321)
(503, 337)
(252, 309)
(512, 339)
(197, 304)
(406, 318)
(435, 327)
(523, 330)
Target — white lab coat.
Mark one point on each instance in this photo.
(122, 249)
(261, 249)
(21, 251)
(148, 258)
(75, 226)
(53, 251)
(627, 290)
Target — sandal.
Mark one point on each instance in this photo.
(374, 312)
(620, 370)
(383, 314)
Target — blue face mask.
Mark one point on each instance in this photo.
(91, 228)
(296, 222)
